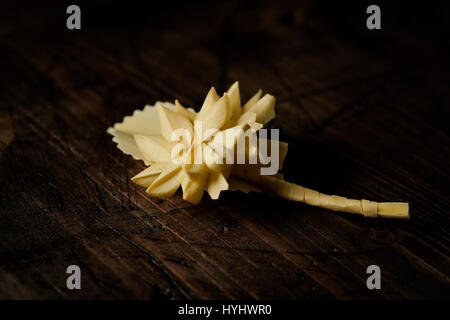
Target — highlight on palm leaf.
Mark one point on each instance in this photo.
(222, 147)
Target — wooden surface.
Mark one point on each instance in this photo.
(366, 115)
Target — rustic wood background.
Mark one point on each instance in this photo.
(366, 115)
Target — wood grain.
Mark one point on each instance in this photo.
(366, 116)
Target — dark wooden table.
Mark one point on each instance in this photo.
(366, 115)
